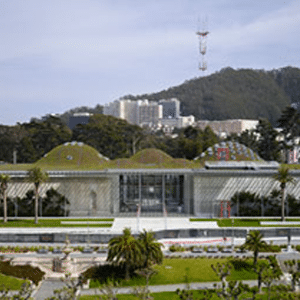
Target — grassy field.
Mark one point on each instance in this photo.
(57, 223)
(156, 296)
(10, 282)
(245, 222)
(179, 270)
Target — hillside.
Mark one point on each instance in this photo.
(234, 94)
(229, 94)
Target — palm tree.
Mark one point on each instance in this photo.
(124, 250)
(283, 177)
(254, 243)
(37, 176)
(151, 249)
(4, 179)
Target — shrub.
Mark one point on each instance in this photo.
(23, 272)
(271, 248)
(176, 248)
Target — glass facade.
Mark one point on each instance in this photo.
(152, 192)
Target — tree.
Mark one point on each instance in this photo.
(37, 177)
(293, 268)
(151, 249)
(55, 204)
(231, 289)
(108, 291)
(41, 137)
(283, 177)
(112, 137)
(70, 290)
(268, 147)
(289, 122)
(245, 203)
(254, 243)
(125, 250)
(24, 293)
(4, 179)
(260, 267)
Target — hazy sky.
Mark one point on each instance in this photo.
(59, 54)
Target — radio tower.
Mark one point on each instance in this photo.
(202, 35)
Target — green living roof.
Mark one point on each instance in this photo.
(72, 155)
(78, 156)
(151, 158)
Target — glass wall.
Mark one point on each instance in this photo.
(152, 192)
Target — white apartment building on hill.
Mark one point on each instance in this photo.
(227, 127)
(149, 113)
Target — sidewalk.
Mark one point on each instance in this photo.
(167, 287)
(155, 224)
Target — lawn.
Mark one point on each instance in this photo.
(10, 282)
(107, 222)
(245, 222)
(156, 296)
(180, 270)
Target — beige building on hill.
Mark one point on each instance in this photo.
(227, 127)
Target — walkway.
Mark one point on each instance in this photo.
(155, 224)
(167, 287)
(48, 286)
(136, 224)
(46, 289)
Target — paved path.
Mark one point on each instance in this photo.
(48, 286)
(46, 289)
(119, 224)
(155, 224)
(167, 287)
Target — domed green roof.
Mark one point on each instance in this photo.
(151, 156)
(74, 154)
(233, 151)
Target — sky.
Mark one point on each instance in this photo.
(60, 54)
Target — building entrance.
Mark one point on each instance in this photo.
(152, 192)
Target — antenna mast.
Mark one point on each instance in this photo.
(202, 35)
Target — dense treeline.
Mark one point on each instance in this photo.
(246, 204)
(116, 138)
(52, 204)
(112, 137)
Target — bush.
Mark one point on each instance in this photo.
(177, 248)
(23, 272)
(271, 248)
(104, 273)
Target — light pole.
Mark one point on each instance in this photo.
(232, 234)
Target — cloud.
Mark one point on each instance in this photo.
(61, 54)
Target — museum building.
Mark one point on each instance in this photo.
(150, 182)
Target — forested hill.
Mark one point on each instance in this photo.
(235, 94)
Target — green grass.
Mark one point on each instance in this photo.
(55, 223)
(10, 282)
(245, 222)
(196, 269)
(156, 296)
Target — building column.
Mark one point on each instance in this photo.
(115, 194)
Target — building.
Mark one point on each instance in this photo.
(171, 108)
(116, 188)
(228, 127)
(78, 118)
(164, 113)
(149, 112)
(170, 123)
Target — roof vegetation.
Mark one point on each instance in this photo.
(78, 156)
